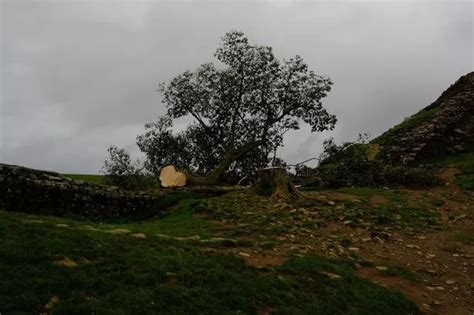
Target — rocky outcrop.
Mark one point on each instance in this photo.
(444, 127)
(34, 191)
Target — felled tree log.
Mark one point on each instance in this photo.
(275, 182)
(171, 176)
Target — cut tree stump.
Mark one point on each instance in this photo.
(276, 182)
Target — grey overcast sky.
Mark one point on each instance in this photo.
(77, 76)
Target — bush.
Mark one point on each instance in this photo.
(356, 164)
(409, 176)
(374, 173)
(120, 171)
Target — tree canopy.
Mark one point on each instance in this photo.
(240, 110)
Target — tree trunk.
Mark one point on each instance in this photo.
(276, 182)
(215, 176)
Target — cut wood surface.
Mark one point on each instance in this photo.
(170, 177)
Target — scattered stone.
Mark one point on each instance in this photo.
(163, 236)
(378, 239)
(353, 249)
(138, 235)
(119, 231)
(190, 238)
(450, 281)
(381, 234)
(52, 301)
(381, 268)
(67, 262)
(332, 276)
(244, 254)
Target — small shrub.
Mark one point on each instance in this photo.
(375, 173)
(122, 172)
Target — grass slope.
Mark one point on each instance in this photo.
(464, 162)
(93, 179)
(119, 274)
(409, 123)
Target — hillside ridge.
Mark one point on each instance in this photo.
(446, 126)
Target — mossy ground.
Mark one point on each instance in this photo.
(464, 163)
(122, 274)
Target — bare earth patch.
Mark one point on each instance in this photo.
(378, 200)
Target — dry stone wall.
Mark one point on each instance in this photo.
(34, 191)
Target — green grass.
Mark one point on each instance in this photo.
(465, 238)
(465, 181)
(118, 274)
(89, 178)
(180, 223)
(402, 272)
(398, 211)
(464, 162)
(409, 123)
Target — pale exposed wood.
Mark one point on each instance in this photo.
(170, 177)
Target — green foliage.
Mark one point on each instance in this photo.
(409, 176)
(240, 111)
(357, 164)
(464, 162)
(374, 173)
(122, 172)
(356, 151)
(465, 181)
(121, 274)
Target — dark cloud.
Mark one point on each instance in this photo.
(78, 76)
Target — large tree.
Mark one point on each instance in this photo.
(194, 150)
(243, 105)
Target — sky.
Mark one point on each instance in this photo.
(79, 76)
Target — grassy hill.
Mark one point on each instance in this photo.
(444, 127)
(67, 266)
